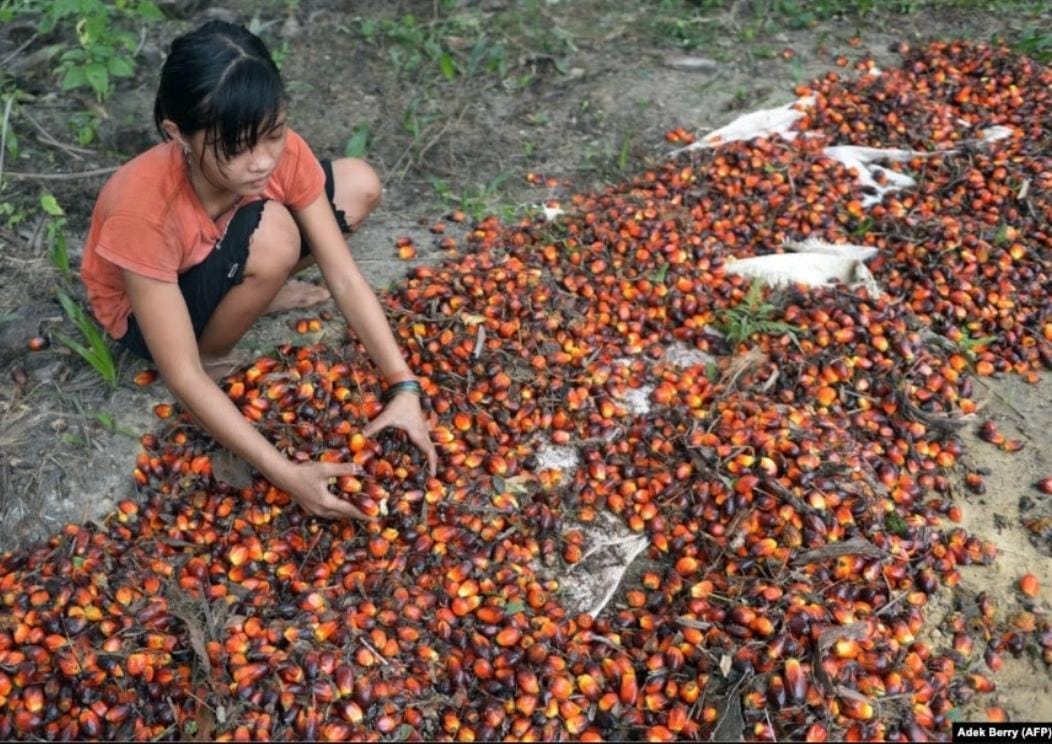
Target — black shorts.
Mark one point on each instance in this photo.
(205, 285)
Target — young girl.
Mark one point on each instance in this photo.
(194, 239)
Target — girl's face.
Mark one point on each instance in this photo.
(247, 172)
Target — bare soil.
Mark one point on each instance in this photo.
(1001, 515)
(591, 113)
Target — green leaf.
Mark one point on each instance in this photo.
(98, 355)
(68, 305)
(12, 142)
(622, 155)
(59, 254)
(476, 55)
(121, 67)
(150, 12)
(73, 55)
(76, 346)
(74, 78)
(97, 78)
(107, 420)
(448, 66)
(50, 204)
(658, 274)
(513, 607)
(358, 144)
(755, 294)
(896, 524)
(127, 40)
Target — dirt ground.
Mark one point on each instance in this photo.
(587, 92)
(1023, 411)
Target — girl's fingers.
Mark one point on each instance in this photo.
(413, 425)
(380, 422)
(422, 439)
(336, 508)
(336, 469)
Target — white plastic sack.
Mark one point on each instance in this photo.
(814, 263)
(762, 123)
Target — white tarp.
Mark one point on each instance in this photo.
(813, 263)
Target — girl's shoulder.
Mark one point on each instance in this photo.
(148, 182)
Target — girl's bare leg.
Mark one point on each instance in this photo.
(273, 258)
(356, 192)
(272, 255)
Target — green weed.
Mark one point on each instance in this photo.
(1036, 44)
(95, 45)
(862, 228)
(685, 24)
(109, 422)
(701, 24)
(358, 144)
(799, 74)
(104, 46)
(8, 136)
(55, 233)
(479, 201)
(972, 345)
(84, 125)
(610, 160)
(503, 41)
(97, 352)
(417, 117)
(752, 315)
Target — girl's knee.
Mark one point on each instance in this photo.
(274, 248)
(357, 189)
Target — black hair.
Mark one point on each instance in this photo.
(220, 78)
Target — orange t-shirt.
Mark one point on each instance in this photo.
(149, 220)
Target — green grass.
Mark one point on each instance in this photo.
(702, 24)
(463, 42)
(97, 351)
(358, 144)
(1037, 45)
(752, 315)
(55, 234)
(971, 345)
(480, 200)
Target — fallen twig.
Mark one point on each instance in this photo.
(855, 546)
(3, 133)
(48, 139)
(59, 176)
(18, 50)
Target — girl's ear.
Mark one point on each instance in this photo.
(172, 130)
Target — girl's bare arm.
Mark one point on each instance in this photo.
(161, 312)
(358, 305)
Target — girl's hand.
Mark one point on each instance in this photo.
(403, 411)
(308, 485)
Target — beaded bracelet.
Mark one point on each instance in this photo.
(411, 386)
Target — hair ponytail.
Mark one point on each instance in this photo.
(220, 78)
